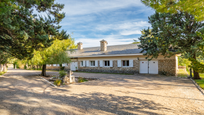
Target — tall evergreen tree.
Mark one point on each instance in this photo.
(22, 31)
(173, 34)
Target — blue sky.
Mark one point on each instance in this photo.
(116, 21)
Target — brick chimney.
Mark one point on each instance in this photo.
(80, 47)
(103, 45)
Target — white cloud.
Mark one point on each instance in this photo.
(82, 7)
(130, 32)
(111, 39)
(123, 25)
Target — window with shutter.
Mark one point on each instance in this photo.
(106, 63)
(92, 63)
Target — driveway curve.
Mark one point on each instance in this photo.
(24, 92)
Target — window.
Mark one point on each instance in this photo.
(125, 62)
(82, 63)
(92, 63)
(106, 63)
(54, 64)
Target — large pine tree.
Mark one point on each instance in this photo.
(22, 31)
(173, 34)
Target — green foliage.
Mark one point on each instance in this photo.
(196, 65)
(194, 7)
(173, 34)
(62, 73)
(80, 79)
(58, 82)
(25, 67)
(22, 31)
(183, 62)
(55, 54)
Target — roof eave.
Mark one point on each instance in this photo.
(109, 55)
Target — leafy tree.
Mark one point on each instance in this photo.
(183, 61)
(194, 7)
(55, 54)
(173, 34)
(22, 31)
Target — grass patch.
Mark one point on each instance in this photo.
(1, 73)
(182, 73)
(200, 82)
(80, 79)
(104, 73)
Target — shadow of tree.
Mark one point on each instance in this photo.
(29, 95)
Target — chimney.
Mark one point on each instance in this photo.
(104, 45)
(80, 46)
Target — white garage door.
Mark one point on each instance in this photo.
(143, 66)
(153, 67)
(150, 67)
(74, 66)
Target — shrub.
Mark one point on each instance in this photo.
(80, 79)
(57, 82)
(62, 73)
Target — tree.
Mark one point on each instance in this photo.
(3, 60)
(55, 54)
(22, 31)
(173, 34)
(194, 7)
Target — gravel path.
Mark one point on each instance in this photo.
(23, 92)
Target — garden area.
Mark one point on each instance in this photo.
(65, 78)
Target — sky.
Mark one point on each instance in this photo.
(116, 21)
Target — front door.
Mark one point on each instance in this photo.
(143, 66)
(74, 66)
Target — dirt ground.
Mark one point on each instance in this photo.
(24, 92)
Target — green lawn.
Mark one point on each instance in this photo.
(200, 82)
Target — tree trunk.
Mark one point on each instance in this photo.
(4, 68)
(196, 74)
(1, 67)
(43, 70)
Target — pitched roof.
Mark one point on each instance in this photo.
(111, 50)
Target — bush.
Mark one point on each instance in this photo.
(62, 73)
(80, 79)
(57, 82)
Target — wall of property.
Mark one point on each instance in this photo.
(165, 65)
(114, 69)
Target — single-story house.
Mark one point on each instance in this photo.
(119, 59)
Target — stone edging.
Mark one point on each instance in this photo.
(48, 82)
(198, 87)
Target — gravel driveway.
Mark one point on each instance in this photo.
(23, 92)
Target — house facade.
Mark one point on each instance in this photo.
(119, 59)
